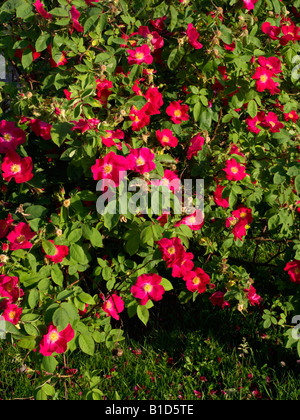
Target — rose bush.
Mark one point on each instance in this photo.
(161, 91)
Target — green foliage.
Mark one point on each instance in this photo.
(74, 84)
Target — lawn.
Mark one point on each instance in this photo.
(185, 353)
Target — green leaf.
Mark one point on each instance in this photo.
(146, 236)
(87, 344)
(23, 11)
(77, 254)
(96, 238)
(232, 199)
(36, 212)
(167, 285)
(71, 310)
(41, 395)
(138, 101)
(111, 219)
(91, 21)
(206, 119)
(49, 390)
(49, 248)
(103, 22)
(12, 329)
(60, 131)
(75, 235)
(27, 58)
(174, 16)
(60, 319)
(133, 72)
(59, 12)
(279, 178)
(252, 109)
(273, 222)
(49, 364)
(132, 245)
(28, 343)
(57, 275)
(297, 184)
(277, 7)
(197, 111)
(175, 57)
(86, 298)
(226, 35)
(160, 10)
(33, 298)
(143, 314)
(42, 42)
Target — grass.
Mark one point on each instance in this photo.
(196, 358)
(187, 352)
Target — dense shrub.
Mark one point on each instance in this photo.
(163, 92)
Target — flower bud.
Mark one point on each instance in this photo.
(67, 203)
(3, 258)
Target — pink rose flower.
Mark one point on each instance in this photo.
(111, 167)
(197, 280)
(193, 36)
(9, 289)
(14, 167)
(166, 138)
(56, 342)
(234, 170)
(172, 251)
(141, 160)
(12, 313)
(10, 136)
(141, 55)
(40, 8)
(113, 306)
(293, 270)
(178, 112)
(19, 237)
(148, 287)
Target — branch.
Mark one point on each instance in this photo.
(238, 261)
(263, 239)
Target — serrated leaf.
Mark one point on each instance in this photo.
(175, 57)
(87, 344)
(174, 15)
(59, 12)
(49, 364)
(226, 35)
(86, 298)
(252, 109)
(197, 111)
(60, 319)
(91, 21)
(297, 184)
(60, 131)
(77, 254)
(167, 285)
(138, 101)
(143, 314)
(49, 248)
(42, 42)
(57, 275)
(28, 343)
(27, 58)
